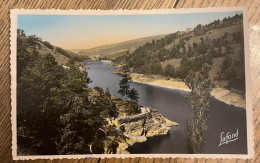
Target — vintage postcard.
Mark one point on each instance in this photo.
(140, 83)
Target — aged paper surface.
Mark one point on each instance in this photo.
(224, 137)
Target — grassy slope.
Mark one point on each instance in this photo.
(61, 59)
(115, 50)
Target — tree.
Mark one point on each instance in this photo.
(190, 51)
(219, 52)
(124, 85)
(20, 33)
(233, 71)
(234, 36)
(225, 35)
(239, 38)
(226, 63)
(169, 70)
(228, 48)
(202, 41)
(62, 51)
(79, 128)
(153, 42)
(33, 42)
(156, 68)
(48, 45)
(184, 68)
(200, 85)
(105, 105)
(133, 95)
(195, 45)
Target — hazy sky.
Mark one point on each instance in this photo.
(88, 31)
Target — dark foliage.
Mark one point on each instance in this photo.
(124, 85)
(53, 105)
(48, 45)
(196, 131)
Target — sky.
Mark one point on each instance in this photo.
(89, 31)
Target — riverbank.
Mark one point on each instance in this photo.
(227, 96)
(159, 81)
(222, 94)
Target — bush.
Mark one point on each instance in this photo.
(62, 51)
(48, 45)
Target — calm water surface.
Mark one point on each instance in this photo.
(173, 105)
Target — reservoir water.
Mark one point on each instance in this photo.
(173, 105)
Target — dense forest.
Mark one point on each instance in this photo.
(193, 48)
(57, 113)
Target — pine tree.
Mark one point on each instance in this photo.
(124, 85)
(133, 95)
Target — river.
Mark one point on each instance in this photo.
(173, 105)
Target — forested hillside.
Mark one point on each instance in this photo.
(57, 113)
(219, 43)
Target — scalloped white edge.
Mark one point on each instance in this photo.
(249, 111)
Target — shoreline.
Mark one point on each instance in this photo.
(224, 95)
(229, 97)
(170, 84)
(221, 94)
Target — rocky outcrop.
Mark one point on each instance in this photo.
(138, 127)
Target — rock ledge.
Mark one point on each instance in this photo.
(138, 127)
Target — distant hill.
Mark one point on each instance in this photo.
(115, 50)
(62, 56)
(219, 44)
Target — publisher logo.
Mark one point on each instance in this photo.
(228, 137)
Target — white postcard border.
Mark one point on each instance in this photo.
(249, 110)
